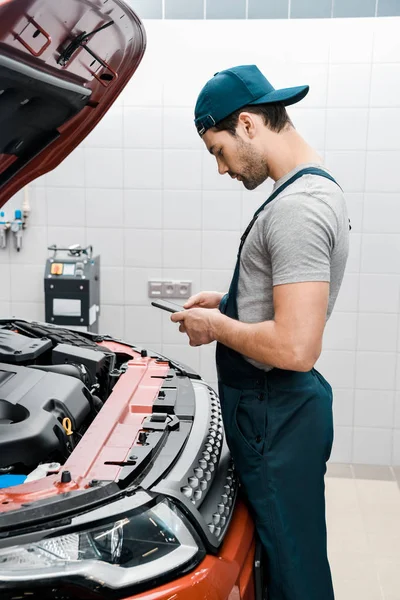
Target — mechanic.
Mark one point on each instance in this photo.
(277, 409)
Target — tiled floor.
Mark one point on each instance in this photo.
(363, 516)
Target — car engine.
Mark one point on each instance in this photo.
(53, 382)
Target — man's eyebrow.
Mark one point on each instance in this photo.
(211, 150)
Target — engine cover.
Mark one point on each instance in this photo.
(33, 404)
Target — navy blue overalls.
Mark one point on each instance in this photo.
(279, 429)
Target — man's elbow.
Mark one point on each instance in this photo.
(303, 358)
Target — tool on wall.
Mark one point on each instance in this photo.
(4, 227)
(17, 225)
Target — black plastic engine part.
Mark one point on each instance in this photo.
(77, 371)
(32, 406)
(98, 364)
(16, 348)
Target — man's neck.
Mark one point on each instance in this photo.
(291, 151)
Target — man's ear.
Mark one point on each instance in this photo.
(248, 122)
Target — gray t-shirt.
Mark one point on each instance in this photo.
(302, 235)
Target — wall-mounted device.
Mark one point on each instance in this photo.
(72, 287)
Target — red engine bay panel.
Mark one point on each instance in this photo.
(110, 436)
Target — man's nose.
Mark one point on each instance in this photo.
(222, 169)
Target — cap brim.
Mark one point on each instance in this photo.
(287, 96)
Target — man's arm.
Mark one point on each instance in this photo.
(293, 340)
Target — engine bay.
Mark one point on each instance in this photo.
(53, 382)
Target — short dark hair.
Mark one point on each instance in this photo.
(275, 117)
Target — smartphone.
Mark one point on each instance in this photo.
(169, 306)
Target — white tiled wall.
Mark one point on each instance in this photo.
(143, 190)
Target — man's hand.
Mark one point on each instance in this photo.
(199, 324)
(204, 300)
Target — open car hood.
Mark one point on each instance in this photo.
(62, 65)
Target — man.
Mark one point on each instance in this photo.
(277, 408)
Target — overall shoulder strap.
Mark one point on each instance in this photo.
(279, 190)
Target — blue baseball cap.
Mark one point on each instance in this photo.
(234, 88)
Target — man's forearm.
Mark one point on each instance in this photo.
(265, 342)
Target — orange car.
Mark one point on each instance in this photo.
(115, 477)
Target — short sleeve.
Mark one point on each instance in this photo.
(300, 237)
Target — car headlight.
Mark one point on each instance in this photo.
(121, 553)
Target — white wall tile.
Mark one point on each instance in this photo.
(382, 172)
(34, 248)
(341, 331)
(380, 253)
(136, 284)
(143, 323)
(111, 321)
(142, 89)
(379, 293)
(212, 180)
(375, 370)
(396, 448)
(38, 204)
(348, 168)
(346, 129)
(222, 211)
(5, 287)
(183, 353)
(397, 410)
(384, 123)
(182, 249)
(343, 407)
(347, 300)
(143, 209)
(182, 209)
(66, 207)
(355, 208)
(398, 372)
(108, 243)
(337, 366)
(182, 169)
(386, 42)
(350, 44)
(71, 172)
(349, 85)
(311, 124)
(29, 311)
(107, 133)
(66, 236)
(374, 408)
(5, 310)
(314, 75)
(143, 169)
(207, 362)
(353, 261)
(372, 446)
(377, 332)
(342, 445)
(216, 280)
(27, 283)
(170, 331)
(381, 213)
(385, 89)
(111, 285)
(143, 247)
(104, 207)
(227, 243)
(104, 167)
(142, 127)
(179, 129)
(252, 200)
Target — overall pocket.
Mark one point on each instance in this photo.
(251, 420)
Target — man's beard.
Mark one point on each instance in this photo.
(254, 170)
